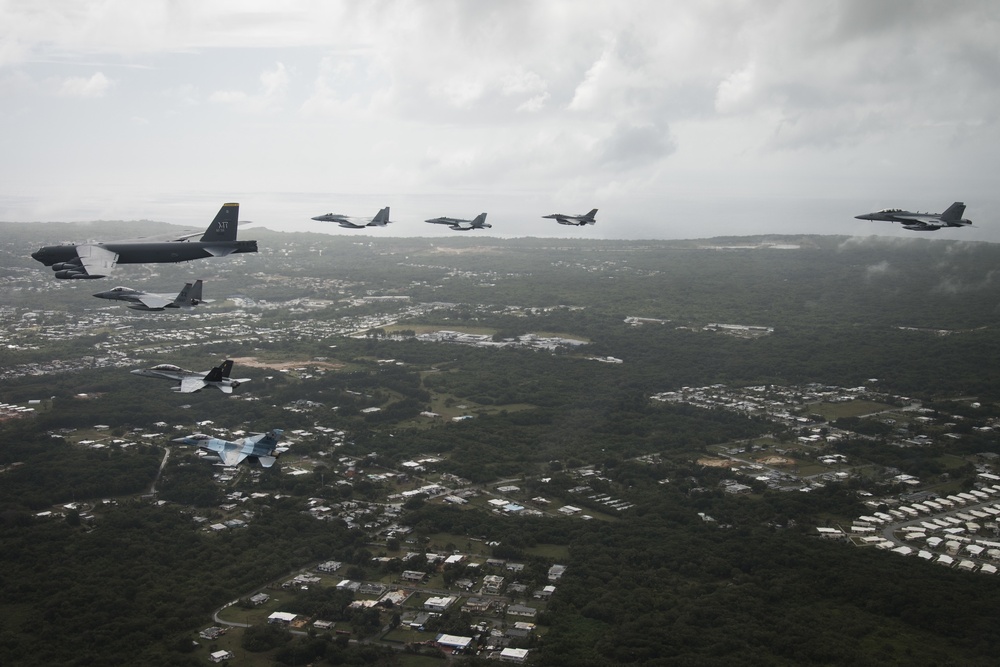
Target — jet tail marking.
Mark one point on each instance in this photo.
(224, 226)
(190, 295)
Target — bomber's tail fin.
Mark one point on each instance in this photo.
(954, 212)
(223, 228)
(480, 221)
(590, 216)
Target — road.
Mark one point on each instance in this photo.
(163, 464)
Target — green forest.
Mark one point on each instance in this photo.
(123, 573)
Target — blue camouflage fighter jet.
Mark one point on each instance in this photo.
(263, 446)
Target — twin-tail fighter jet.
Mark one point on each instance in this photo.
(460, 225)
(381, 219)
(262, 446)
(578, 220)
(189, 382)
(96, 260)
(188, 297)
(921, 222)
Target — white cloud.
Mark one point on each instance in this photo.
(269, 97)
(889, 101)
(94, 86)
(736, 91)
(877, 269)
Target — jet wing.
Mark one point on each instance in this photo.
(191, 384)
(96, 260)
(919, 223)
(462, 225)
(153, 300)
(231, 457)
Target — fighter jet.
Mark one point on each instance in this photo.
(189, 382)
(921, 222)
(96, 260)
(381, 219)
(460, 225)
(264, 446)
(188, 297)
(578, 220)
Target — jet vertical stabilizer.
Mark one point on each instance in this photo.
(381, 218)
(224, 226)
(953, 213)
(220, 372)
(189, 296)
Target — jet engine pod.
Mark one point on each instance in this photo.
(77, 275)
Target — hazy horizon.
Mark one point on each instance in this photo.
(675, 119)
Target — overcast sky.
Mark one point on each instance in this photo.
(684, 119)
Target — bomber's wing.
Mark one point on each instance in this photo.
(95, 260)
(462, 225)
(190, 233)
(191, 384)
(349, 225)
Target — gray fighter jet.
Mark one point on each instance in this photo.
(460, 225)
(578, 220)
(263, 446)
(189, 382)
(96, 260)
(381, 219)
(921, 222)
(188, 297)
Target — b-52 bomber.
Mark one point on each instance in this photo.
(578, 220)
(96, 260)
(189, 382)
(921, 222)
(263, 446)
(188, 297)
(460, 225)
(381, 219)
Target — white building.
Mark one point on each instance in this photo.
(517, 655)
(281, 617)
(439, 603)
